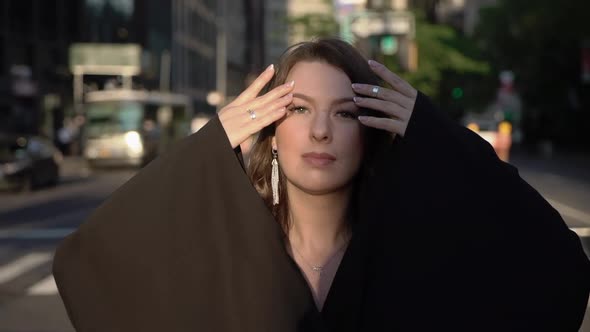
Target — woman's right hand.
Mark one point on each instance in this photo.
(235, 118)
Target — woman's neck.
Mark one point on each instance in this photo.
(319, 222)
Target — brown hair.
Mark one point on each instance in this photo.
(340, 55)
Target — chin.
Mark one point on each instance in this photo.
(321, 185)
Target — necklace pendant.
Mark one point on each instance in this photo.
(317, 269)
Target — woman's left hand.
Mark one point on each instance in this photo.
(397, 103)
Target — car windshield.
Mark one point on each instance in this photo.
(107, 118)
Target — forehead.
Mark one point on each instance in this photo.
(319, 79)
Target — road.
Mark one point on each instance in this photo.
(32, 224)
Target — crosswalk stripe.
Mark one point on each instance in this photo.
(23, 264)
(46, 286)
(35, 234)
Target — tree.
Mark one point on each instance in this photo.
(446, 61)
(540, 42)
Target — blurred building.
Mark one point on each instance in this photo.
(451, 12)
(179, 39)
(461, 14)
(279, 15)
(471, 13)
(34, 77)
(181, 45)
(387, 4)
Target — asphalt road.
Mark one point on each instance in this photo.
(32, 224)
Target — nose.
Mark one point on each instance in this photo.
(321, 128)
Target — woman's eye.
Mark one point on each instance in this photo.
(298, 109)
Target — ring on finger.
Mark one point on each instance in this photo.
(252, 114)
(375, 91)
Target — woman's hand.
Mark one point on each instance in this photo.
(249, 113)
(396, 103)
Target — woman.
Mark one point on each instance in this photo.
(322, 145)
(355, 231)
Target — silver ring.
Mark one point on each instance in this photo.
(252, 114)
(375, 91)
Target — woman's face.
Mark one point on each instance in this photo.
(321, 120)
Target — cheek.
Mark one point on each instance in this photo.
(288, 135)
(353, 141)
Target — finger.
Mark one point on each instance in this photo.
(254, 89)
(384, 93)
(386, 107)
(395, 81)
(273, 105)
(271, 117)
(260, 113)
(390, 125)
(271, 96)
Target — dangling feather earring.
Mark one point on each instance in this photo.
(274, 178)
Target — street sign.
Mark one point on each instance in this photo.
(366, 24)
(105, 59)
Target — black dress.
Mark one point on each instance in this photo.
(449, 238)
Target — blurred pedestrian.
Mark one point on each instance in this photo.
(67, 135)
(363, 208)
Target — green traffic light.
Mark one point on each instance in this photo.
(457, 93)
(388, 45)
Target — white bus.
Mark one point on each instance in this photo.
(131, 127)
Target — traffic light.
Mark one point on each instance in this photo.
(388, 44)
(457, 93)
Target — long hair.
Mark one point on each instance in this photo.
(343, 56)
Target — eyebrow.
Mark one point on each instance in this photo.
(335, 102)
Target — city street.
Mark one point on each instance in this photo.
(31, 225)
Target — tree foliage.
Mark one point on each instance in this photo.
(540, 41)
(446, 60)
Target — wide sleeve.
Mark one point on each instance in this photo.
(481, 243)
(187, 244)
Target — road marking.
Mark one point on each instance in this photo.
(75, 216)
(46, 286)
(35, 234)
(571, 212)
(23, 264)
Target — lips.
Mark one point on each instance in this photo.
(318, 159)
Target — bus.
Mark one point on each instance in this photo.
(132, 127)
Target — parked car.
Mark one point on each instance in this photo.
(28, 162)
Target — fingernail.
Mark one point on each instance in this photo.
(281, 110)
(362, 118)
(373, 63)
(355, 86)
(290, 84)
(290, 95)
(356, 99)
(270, 67)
